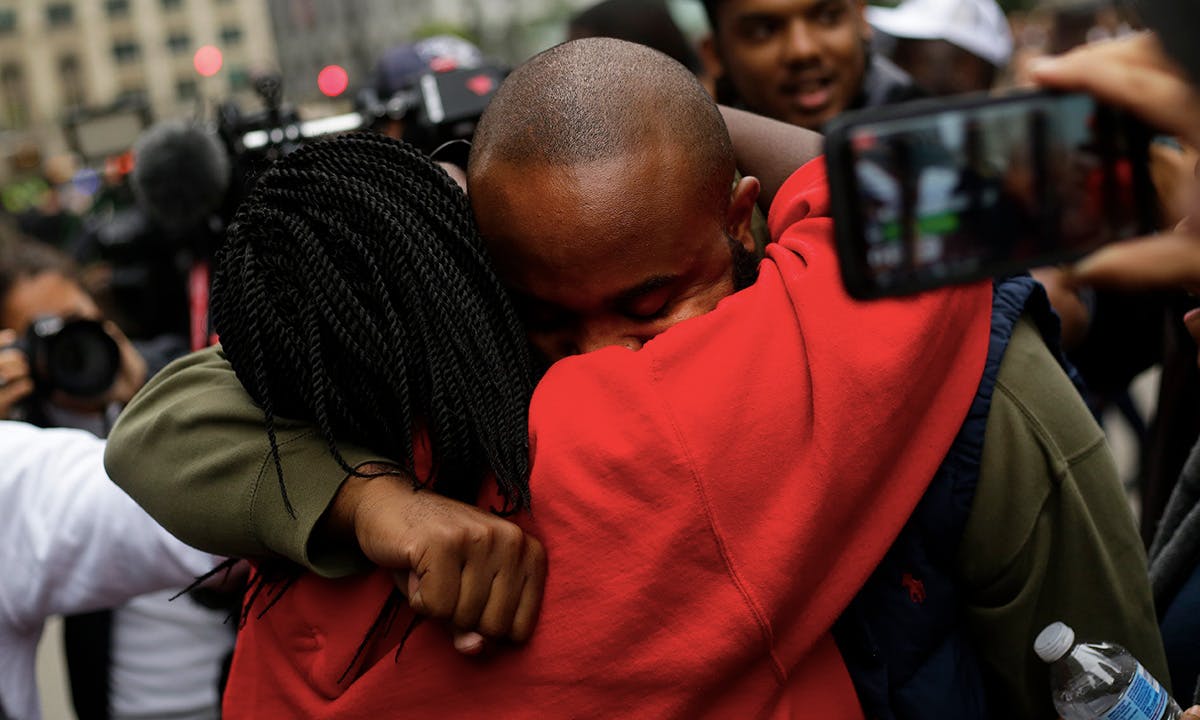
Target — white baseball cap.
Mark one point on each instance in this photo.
(977, 26)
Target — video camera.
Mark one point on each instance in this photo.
(189, 178)
(438, 108)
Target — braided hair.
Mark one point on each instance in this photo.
(353, 291)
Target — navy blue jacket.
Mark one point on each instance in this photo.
(902, 638)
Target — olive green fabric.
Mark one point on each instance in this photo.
(191, 449)
(1050, 534)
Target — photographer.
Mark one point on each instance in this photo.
(38, 282)
(64, 366)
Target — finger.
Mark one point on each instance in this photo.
(502, 602)
(465, 642)
(133, 369)
(15, 391)
(1119, 73)
(530, 605)
(1161, 261)
(1192, 713)
(7, 337)
(478, 575)
(469, 643)
(13, 367)
(501, 573)
(438, 574)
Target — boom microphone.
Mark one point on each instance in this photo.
(180, 174)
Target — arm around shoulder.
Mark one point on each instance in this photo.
(192, 449)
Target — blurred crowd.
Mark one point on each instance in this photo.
(102, 287)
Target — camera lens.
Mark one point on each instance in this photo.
(76, 357)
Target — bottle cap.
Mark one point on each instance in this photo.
(1054, 642)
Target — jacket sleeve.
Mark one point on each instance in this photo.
(1050, 535)
(192, 449)
(72, 542)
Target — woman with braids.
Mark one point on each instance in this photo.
(353, 292)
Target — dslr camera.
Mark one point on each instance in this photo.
(74, 356)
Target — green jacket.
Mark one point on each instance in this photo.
(1050, 535)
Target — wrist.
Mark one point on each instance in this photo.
(345, 517)
(340, 520)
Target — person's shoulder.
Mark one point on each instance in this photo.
(1039, 434)
(601, 382)
(803, 197)
(1043, 401)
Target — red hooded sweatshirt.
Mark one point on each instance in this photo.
(710, 504)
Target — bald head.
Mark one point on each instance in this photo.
(601, 179)
(599, 99)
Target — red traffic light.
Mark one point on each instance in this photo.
(208, 60)
(333, 80)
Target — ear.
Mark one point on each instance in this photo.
(740, 214)
(710, 57)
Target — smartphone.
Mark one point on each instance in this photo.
(953, 190)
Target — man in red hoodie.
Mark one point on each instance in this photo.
(711, 502)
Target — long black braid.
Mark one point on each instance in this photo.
(353, 291)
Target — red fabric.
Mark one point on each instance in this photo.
(709, 504)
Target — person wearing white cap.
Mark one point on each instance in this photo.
(947, 46)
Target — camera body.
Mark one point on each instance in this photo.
(438, 107)
(74, 356)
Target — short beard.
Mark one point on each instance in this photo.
(745, 265)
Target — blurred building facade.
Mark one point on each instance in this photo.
(61, 56)
(312, 34)
(350, 33)
(58, 57)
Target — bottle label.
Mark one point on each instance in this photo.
(1144, 699)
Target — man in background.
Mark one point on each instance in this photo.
(800, 61)
(949, 47)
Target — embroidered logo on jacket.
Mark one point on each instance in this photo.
(916, 588)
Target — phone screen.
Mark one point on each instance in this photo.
(983, 189)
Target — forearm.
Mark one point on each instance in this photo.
(769, 150)
(191, 448)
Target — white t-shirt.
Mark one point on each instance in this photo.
(166, 658)
(70, 541)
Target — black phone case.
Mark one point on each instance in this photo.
(844, 191)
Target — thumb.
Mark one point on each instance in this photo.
(468, 643)
(1192, 713)
(411, 582)
(465, 642)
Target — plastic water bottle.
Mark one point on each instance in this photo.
(1100, 681)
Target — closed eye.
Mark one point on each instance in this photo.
(649, 316)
